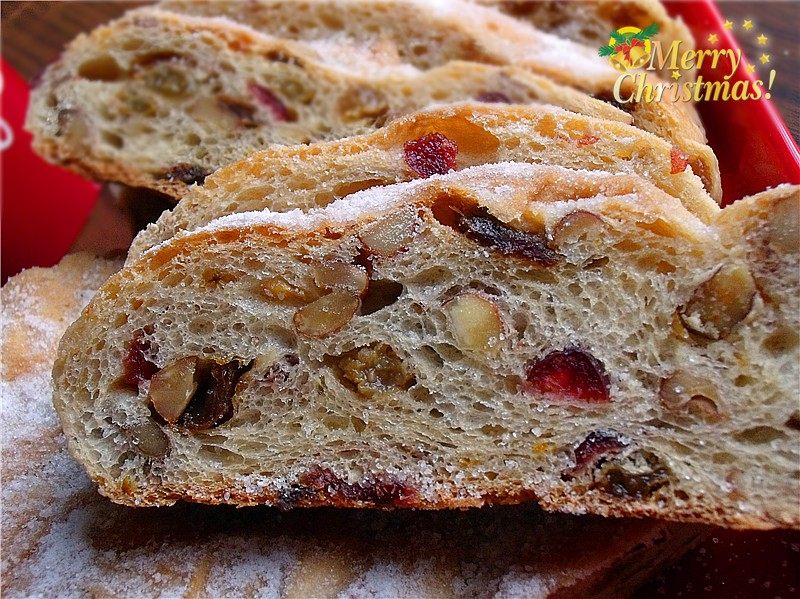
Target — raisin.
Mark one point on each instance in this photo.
(431, 154)
(478, 225)
(638, 476)
(371, 370)
(243, 111)
(679, 161)
(569, 375)
(596, 445)
(272, 102)
(186, 173)
(493, 98)
(136, 367)
(212, 403)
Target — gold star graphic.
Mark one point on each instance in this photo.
(751, 68)
(676, 75)
(748, 24)
(728, 25)
(762, 40)
(764, 58)
(713, 38)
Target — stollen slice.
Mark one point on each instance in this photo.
(425, 143)
(161, 100)
(501, 334)
(62, 538)
(589, 22)
(428, 34)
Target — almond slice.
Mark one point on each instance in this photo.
(172, 388)
(326, 315)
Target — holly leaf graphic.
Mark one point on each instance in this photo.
(619, 38)
(647, 32)
(607, 51)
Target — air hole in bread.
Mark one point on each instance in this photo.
(112, 139)
(381, 293)
(100, 68)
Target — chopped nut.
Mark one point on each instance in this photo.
(278, 288)
(73, 127)
(388, 236)
(326, 315)
(576, 225)
(784, 225)
(172, 387)
(686, 392)
(148, 439)
(720, 303)
(340, 275)
(361, 102)
(209, 110)
(477, 324)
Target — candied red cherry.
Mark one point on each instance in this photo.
(568, 375)
(679, 160)
(431, 154)
(136, 368)
(275, 105)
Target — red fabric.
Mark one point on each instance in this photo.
(43, 206)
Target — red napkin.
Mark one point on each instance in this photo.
(43, 206)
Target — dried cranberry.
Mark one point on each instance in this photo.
(243, 111)
(478, 225)
(275, 105)
(431, 154)
(568, 375)
(679, 160)
(212, 403)
(493, 98)
(186, 173)
(136, 368)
